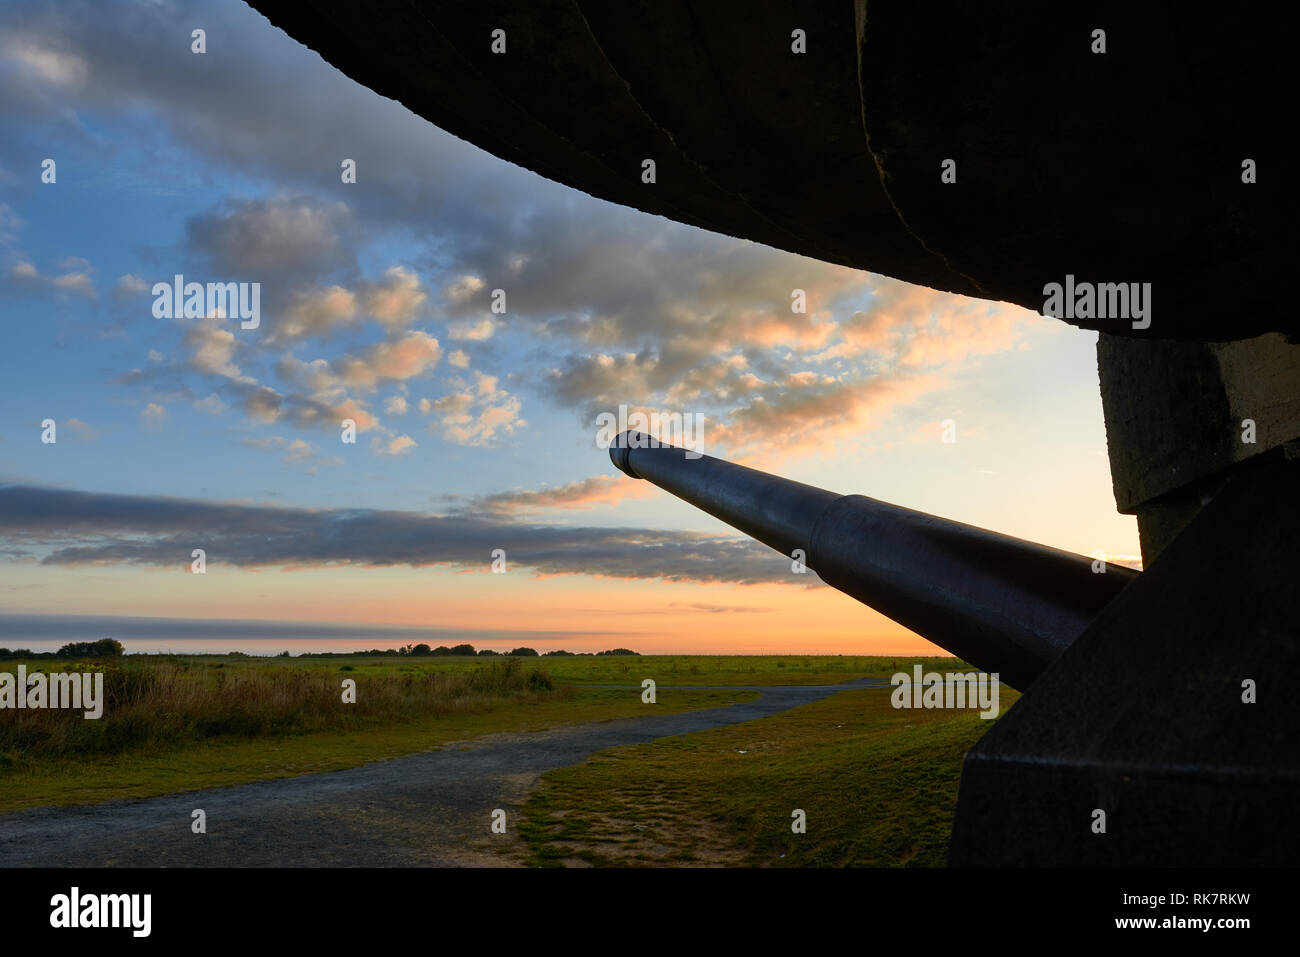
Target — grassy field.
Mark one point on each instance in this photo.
(878, 787)
(736, 669)
(601, 669)
(180, 723)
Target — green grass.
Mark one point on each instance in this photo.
(176, 723)
(220, 763)
(160, 705)
(878, 786)
(734, 669)
(664, 669)
(564, 669)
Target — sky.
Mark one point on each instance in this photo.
(475, 430)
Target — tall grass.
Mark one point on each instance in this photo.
(161, 705)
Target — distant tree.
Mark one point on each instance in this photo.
(524, 653)
(441, 650)
(619, 651)
(557, 652)
(487, 651)
(104, 648)
(283, 654)
(422, 649)
(466, 650)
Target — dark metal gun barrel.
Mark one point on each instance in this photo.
(1003, 604)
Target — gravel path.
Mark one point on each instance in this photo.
(427, 809)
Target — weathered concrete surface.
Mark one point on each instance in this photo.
(1143, 716)
(1177, 421)
(1116, 167)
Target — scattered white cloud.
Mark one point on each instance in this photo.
(398, 445)
(474, 330)
(153, 415)
(129, 285)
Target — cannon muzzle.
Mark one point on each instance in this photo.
(1001, 603)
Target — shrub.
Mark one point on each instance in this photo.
(157, 704)
(104, 648)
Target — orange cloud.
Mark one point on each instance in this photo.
(812, 417)
(582, 494)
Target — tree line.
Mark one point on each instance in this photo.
(111, 647)
(104, 648)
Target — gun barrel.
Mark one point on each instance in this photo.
(1003, 604)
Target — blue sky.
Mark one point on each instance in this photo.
(225, 167)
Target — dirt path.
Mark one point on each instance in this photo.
(427, 809)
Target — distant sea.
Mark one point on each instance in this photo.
(222, 635)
